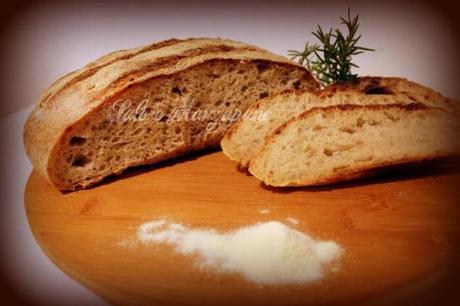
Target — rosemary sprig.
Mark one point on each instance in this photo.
(331, 60)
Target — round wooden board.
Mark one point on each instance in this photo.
(399, 234)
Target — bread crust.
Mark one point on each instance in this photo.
(395, 86)
(80, 94)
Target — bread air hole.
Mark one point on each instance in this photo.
(80, 160)
(328, 152)
(392, 117)
(360, 122)
(263, 95)
(176, 90)
(77, 141)
(262, 67)
(348, 130)
(373, 122)
(213, 75)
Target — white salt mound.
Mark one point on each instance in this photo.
(267, 253)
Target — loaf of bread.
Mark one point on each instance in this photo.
(149, 104)
(244, 139)
(330, 144)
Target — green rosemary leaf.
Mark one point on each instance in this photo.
(331, 60)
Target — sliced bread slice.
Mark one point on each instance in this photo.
(244, 139)
(336, 143)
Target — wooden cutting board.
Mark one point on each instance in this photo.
(399, 233)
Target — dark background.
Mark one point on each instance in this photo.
(10, 11)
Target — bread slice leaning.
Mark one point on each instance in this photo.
(244, 139)
(148, 104)
(331, 144)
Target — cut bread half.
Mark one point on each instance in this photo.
(330, 144)
(149, 104)
(244, 139)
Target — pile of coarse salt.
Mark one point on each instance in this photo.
(269, 253)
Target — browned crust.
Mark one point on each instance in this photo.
(165, 62)
(197, 46)
(97, 65)
(133, 74)
(362, 84)
(388, 86)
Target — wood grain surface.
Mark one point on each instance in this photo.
(399, 232)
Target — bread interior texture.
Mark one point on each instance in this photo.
(330, 144)
(164, 117)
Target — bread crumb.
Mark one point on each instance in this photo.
(264, 211)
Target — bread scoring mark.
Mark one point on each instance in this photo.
(97, 65)
(166, 62)
(160, 63)
(354, 107)
(377, 90)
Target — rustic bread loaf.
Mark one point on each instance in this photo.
(244, 139)
(149, 104)
(331, 144)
